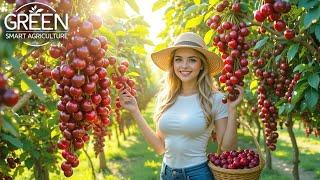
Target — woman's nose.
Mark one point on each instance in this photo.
(185, 63)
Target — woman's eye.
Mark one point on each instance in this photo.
(193, 60)
(177, 60)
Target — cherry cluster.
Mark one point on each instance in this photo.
(83, 86)
(241, 159)
(40, 71)
(120, 81)
(288, 94)
(12, 163)
(8, 97)
(272, 10)
(232, 44)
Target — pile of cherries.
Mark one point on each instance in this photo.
(272, 11)
(241, 159)
(231, 42)
(8, 97)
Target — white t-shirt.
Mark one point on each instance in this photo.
(185, 131)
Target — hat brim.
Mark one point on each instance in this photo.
(162, 58)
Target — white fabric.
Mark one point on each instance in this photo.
(185, 131)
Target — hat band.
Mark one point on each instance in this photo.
(190, 43)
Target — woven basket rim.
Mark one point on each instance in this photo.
(237, 171)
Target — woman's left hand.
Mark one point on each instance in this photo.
(233, 104)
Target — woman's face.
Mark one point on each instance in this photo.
(187, 64)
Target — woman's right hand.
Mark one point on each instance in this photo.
(128, 101)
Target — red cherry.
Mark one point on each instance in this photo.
(279, 25)
(3, 81)
(101, 72)
(289, 34)
(233, 44)
(266, 9)
(89, 88)
(96, 21)
(260, 17)
(94, 46)
(55, 51)
(78, 63)
(10, 97)
(236, 7)
(74, 22)
(91, 116)
(82, 52)
(86, 29)
(78, 41)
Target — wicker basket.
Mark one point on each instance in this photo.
(239, 174)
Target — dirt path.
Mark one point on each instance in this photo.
(286, 168)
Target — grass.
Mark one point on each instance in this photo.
(308, 147)
(135, 160)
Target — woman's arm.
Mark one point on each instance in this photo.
(227, 127)
(226, 130)
(155, 139)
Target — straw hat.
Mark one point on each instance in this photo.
(163, 57)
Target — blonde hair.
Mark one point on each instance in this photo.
(172, 88)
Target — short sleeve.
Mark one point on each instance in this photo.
(219, 109)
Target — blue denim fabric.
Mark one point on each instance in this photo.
(197, 172)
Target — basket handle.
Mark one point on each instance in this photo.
(253, 137)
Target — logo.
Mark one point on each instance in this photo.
(35, 23)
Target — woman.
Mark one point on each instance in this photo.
(188, 110)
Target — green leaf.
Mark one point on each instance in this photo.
(311, 97)
(194, 22)
(278, 58)
(6, 123)
(24, 86)
(14, 63)
(13, 140)
(197, 2)
(28, 163)
(282, 108)
(208, 36)
(261, 43)
(253, 84)
(300, 68)
(292, 51)
(303, 105)
(133, 5)
(33, 86)
(191, 9)
(307, 3)
(314, 80)
(312, 15)
(159, 4)
(317, 32)
(133, 73)
(298, 92)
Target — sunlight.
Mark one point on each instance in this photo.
(103, 7)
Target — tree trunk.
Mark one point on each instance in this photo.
(124, 132)
(295, 156)
(259, 129)
(268, 153)
(103, 162)
(117, 135)
(40, 171)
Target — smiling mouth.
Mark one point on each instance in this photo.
(185, 73)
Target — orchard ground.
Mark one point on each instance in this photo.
(134, 159)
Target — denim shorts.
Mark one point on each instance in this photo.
(197, 172)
